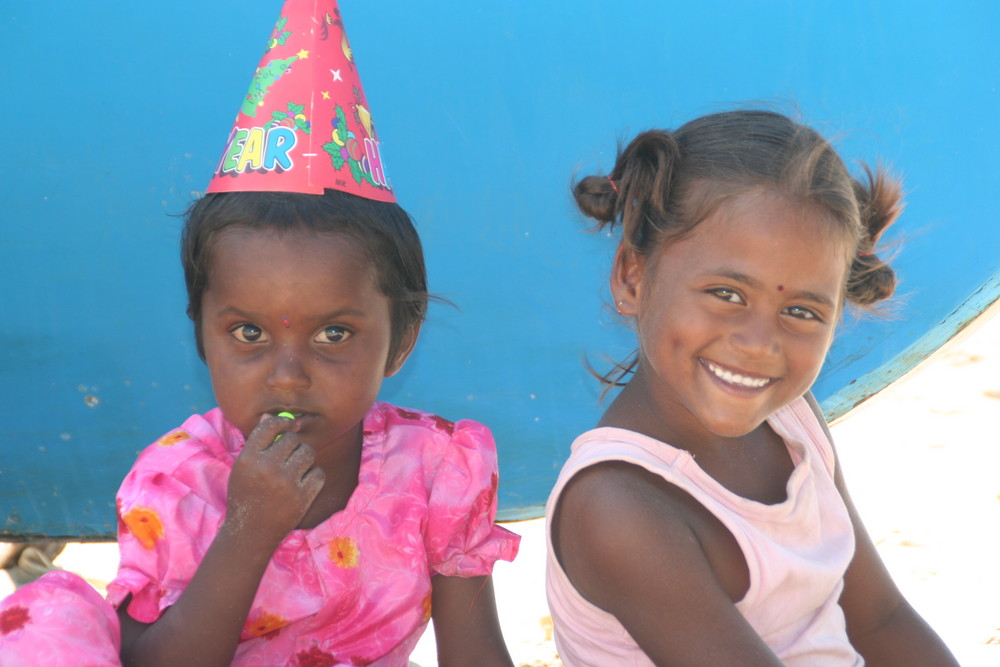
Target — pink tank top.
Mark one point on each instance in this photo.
(797, 551)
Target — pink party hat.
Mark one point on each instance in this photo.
(304, 125)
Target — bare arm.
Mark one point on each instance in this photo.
(881, 624)
(271, 486)
(625, 540)
(466, 626)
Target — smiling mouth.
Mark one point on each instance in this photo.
(736, 379)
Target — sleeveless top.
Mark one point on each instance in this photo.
(796, 551)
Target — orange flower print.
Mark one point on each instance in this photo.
(172, 438)
(427, 608)
(12, 619)
(145, 524)
(344, 552)
(265, 624)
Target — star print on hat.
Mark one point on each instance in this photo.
(304, 124)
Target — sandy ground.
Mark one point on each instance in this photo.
(923, 466)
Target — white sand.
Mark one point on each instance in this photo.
(923, 464)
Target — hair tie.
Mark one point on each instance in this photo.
(612, 184)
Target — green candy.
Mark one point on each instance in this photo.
(286, 415)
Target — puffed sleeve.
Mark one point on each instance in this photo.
(461, 538)
(170, 507)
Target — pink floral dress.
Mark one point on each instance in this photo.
(354, 590)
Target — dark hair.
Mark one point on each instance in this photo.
(383, 231)
(665, 183)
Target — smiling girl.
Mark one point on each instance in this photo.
(705, 521)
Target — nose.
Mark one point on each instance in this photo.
(289, 370)
(756, 335)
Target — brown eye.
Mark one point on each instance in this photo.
(333, 334)
(248, 333)
(726, 294)
(802, 313)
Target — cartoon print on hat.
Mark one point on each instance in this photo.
(304, 124)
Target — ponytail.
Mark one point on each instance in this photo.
(637, 195)
(637, 192)
(879, 204)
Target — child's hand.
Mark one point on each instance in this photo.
(273, 483)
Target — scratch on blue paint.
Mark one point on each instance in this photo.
(875, 381)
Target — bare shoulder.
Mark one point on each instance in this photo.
(620, 494)
(646, 552)
(613, 510)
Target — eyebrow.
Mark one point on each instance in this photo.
(809, 295)
(333, 315)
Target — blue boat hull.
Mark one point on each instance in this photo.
(117, 113)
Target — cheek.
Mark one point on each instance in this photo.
(230, 380)
(660, 340)
(220, 368)
(811, 354)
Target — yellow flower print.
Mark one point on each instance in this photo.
(145, 524)
(344, 552)
(172, 438)
(427, 607)
(264, 624)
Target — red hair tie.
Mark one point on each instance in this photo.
(612, 184)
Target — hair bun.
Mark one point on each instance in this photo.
(871, 280)
(638, 189)
(597, 198)
(880, 201)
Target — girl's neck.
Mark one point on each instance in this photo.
(342, 467)
(636, 409)
(755, 466)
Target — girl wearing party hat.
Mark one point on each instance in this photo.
(302, 522)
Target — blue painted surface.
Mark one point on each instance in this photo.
(117, 113)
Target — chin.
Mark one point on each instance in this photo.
(734, 428)
(733, 433)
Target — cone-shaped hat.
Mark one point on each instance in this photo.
(304, 124)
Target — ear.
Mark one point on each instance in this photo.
(406, 346)
(626, 279)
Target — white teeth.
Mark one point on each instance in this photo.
(736, 378)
